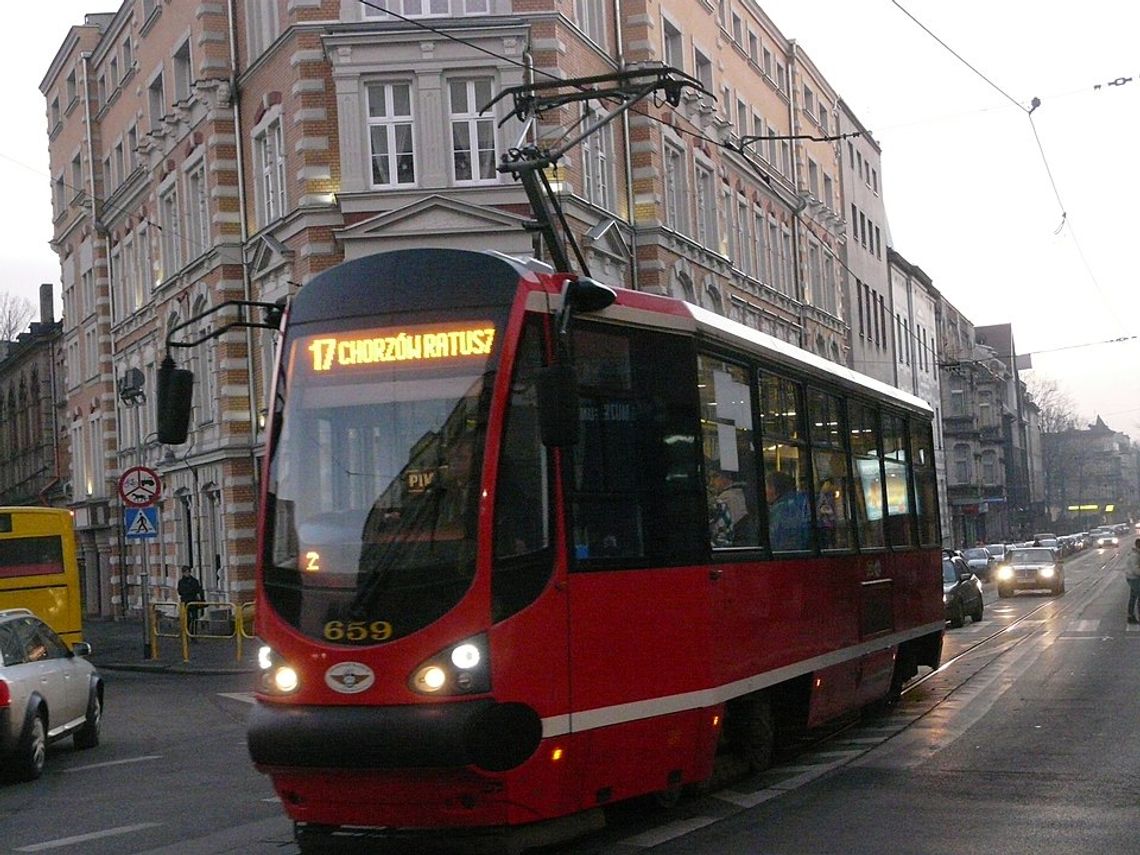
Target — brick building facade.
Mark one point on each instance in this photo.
(208, 152)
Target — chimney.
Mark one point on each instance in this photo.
(47, 313)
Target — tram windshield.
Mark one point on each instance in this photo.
(373, 479)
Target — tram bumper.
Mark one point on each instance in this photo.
(486, 734)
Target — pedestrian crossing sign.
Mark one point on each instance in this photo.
(141, 523)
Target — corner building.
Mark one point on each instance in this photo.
(209, 152)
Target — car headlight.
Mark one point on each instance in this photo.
(1005, 573)
(277, 676)
(1046, 572)
(460, 669)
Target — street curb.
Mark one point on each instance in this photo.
(163, 668)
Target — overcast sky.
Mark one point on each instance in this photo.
(1045, 243)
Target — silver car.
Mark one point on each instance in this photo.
(47, 692)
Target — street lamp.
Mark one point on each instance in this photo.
(132, 395)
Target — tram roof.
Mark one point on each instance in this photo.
(656, 310)
(735, 333)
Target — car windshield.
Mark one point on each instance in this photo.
(1032, 556)
(949, 571)
(976, 553)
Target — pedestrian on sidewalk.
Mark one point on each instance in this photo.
(1132, 577)
(192, 595)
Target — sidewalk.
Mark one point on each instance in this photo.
(118, 644)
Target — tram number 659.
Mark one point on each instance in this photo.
(358, 630)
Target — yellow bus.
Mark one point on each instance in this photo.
(39, 569)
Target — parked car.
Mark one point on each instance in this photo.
(47, 692)
(961, 591)
(980, 560)
(1030, 568)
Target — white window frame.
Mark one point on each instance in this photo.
(591, 17)
(410, 9)
(170, 214)
(390, 123)
(597, 163)
(705, 199)
(269, 164)
(472, 122)
(197, 216)
(675, 195)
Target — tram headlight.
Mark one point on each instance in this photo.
(278, 677)
(1004, 573)
(459, 669)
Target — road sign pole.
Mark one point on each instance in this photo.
(144, 575)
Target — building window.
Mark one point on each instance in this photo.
(597, 160)
(171, 232)
(989, 467)
(675, 195)
(703, 71)
(986, 408)
(753, 47)
(760, 225)
(197, 211)
(809, 102)
(156, 101)
(205, 382)
(591, 16)
(745, 246)
(183, 72)
(409, 9)
(269, 161)
(390, 134)
(261, 25)
(706, 208)
(472, 135)
(72, 89)
(673, 46)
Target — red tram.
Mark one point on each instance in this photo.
(530, 546)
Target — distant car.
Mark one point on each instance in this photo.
(979, 559)
(47, 692)
(1029, 568)
(997, 550)
(1105, 538)
(961, 591)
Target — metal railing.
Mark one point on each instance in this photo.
(188, 622)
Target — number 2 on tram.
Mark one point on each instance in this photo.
(497, 593)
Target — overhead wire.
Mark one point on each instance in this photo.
(1034, 104)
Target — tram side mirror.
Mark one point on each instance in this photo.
(175, 390)
(557, 387)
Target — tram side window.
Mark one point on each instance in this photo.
(863, 428)
(829, 466)
(731, 489)
(785, 464)
(900, 519)
(925, 483)
(522, 565)
(636, 492)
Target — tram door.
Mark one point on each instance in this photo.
(638, 595)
